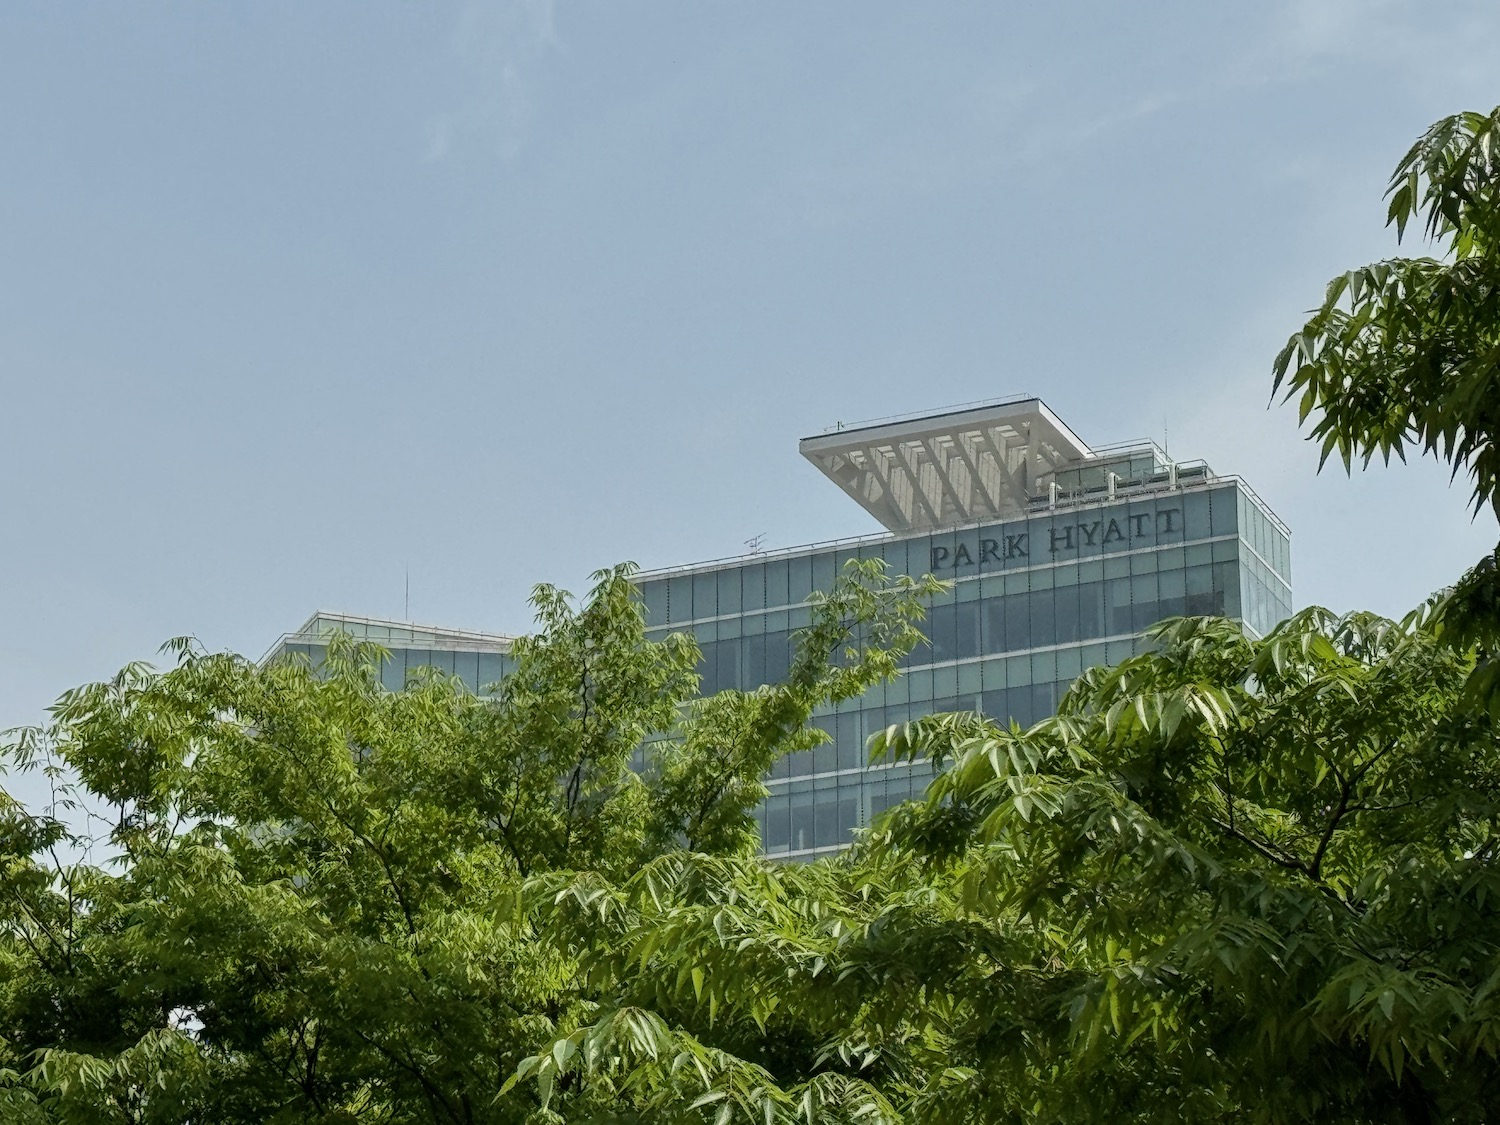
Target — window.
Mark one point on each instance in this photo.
(802, 820)
(850, 740)
(848, 814)
(491, 668)
(822, 572)
(708, 673)
(1195, 515)
(753, 661)
(752, 587)
(654, 594)
(727, 664)
(1065, 600)
(1223, 503)
(392, 672)
(1043, 617)
(895, 557)
(1226, 585)
(705, 595)
(1043, 701)
(1144, 611)
(778, 820)
(942, 626)
(1201, 599)
(1117, 606)
(1018, 706)
(466, 668)
(778, 657)
(826, 820)
(994, 704)
(1017, 622)
(966, 630)
(826, 756)
(799, 578)
(728, 582)
(680, 598)
(1090, 609)
(776, 583)
(992, 622)
(1172, 592)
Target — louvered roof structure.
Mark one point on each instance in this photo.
(939, 470)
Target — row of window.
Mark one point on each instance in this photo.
(803, 812)
(796, 821)
(1266, 603)
(850, 731)
(992, 586)
(1158, 521)
(478, 670)
(1265, 538)
(1011, 623)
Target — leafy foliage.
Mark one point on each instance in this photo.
(1231, 880)
(311, 915)
(1407, 351)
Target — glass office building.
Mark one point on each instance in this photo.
(1059, 555)
(478, 659)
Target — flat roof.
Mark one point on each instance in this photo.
(961, 465)
(391, 633)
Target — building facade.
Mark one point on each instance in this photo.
(1059, 557)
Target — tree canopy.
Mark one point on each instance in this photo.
(1231, 879)
(307, 913)
(1406, 352)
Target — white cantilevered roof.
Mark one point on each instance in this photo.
(958, 466)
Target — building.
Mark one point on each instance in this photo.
(1060, 556)
(478, 659)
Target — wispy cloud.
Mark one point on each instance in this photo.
(496, 47)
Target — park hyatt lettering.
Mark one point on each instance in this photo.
(1062, 537)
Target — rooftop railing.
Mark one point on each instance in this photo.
(918, 415)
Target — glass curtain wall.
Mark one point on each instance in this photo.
(1034, 601)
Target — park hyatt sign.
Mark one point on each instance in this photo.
(1138, 529)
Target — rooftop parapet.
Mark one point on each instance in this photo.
(391, 634)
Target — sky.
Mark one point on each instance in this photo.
(301, 303)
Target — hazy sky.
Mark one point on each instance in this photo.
(294, 297)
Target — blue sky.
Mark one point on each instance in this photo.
(297, 297)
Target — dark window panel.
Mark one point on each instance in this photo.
(654, 594)
(966, 630)
(1043, 618)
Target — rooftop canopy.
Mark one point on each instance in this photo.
(959, 466)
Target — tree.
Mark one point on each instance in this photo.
(309, 913)
(1406, 352)
(1231, 880)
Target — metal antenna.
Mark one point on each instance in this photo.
(408, 593)
(754, 542)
